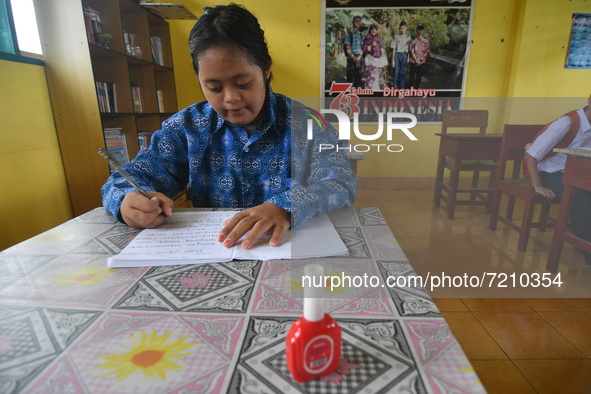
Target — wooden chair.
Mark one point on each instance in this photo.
(515, 137)
(464, 119)
(354, 157)
(576, 176)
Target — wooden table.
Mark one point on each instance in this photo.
(70, 324)
(576, 175)
(462, 147)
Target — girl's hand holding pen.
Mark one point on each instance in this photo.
(140, 212)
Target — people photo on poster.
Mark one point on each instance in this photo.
(404, 56)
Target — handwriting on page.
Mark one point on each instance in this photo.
(181, 236)
(191, 238)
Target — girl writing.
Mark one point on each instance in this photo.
(244, 147)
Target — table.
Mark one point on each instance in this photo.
(70, 324)
(576, 175)
(461, 147)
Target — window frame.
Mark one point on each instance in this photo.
(17, 56)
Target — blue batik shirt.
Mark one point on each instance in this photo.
(221, 166)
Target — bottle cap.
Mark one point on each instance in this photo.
(313, 292)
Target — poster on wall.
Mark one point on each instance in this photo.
(394, 56)
(579, 46)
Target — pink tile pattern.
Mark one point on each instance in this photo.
(71, 325)
(446, 366)
(80, 281)
(382, 244)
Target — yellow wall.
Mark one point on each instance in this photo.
(33, 196)
(293, 34)
(518, 50)
(538, 69)
(187, 86)
(540, 53)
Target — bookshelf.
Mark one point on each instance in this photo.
(101, 68)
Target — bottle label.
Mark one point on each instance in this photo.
(318, 354)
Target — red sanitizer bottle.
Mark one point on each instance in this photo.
(314, 341)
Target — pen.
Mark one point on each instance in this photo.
(115, 164)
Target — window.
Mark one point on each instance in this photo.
(7, 33)
(19, 36)
(25, 23)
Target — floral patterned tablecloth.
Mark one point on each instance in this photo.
(69, 324)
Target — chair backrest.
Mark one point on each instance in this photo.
(515, 137)
(465, 118)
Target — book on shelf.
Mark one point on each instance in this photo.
(144, 138)
(107, 96)
(116, 144)
(126, 42)
(157, 50)
(160, 99)
(112, 95)
(137, 98)
(581, 152)
(100, 93)
(92, 19)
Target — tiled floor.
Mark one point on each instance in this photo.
(518, 340)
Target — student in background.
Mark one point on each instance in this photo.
(546, 171)
(353, 42)
(400, 45)
(419, 53)
(245, 147)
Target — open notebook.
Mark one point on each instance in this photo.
(190, 238)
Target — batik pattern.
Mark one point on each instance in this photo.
(222, 166)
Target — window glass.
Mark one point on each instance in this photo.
(6, 43)
(25, 24)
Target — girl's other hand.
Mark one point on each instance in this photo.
(140, 212)
(258, 220)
